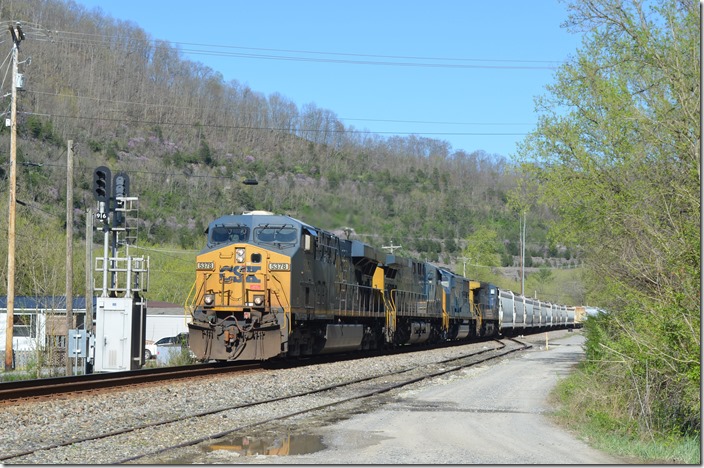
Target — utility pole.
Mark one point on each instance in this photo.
(464, 266)
(391, 248)
(89, 271)
(69, 252)
(17, 37)
(523, 253)
(88, 324)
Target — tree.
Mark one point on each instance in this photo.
(483, 249)
(617, 156)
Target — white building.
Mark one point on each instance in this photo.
(165, 319)
(40, 324)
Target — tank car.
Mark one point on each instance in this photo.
(519, 314)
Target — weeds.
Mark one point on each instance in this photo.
(597, 415)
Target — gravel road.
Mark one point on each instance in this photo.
(494, 414)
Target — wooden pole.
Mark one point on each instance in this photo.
(89, 270)
(12, 207)
(89, 282)
(69, 253)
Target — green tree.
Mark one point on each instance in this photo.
(483, 249)
(616, 153)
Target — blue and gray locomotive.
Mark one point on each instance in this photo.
(270, 285)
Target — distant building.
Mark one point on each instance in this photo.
(165, 319)
(40, 324)
(40, 321)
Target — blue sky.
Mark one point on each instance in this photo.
(463, 71)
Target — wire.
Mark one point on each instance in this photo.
(297, 131)
(366, 62)
(436, 122)
(221, 50)
(7, 69)
(165, 251)
(171, 106)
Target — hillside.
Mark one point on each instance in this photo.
(187, 139)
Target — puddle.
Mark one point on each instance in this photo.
(278, 445)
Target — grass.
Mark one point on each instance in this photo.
(657, 451)
(14, 376)
(606, 432)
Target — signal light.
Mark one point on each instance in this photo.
(101, 184)
(121, 185)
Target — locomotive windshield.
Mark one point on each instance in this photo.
(229, 234)
(276, 234)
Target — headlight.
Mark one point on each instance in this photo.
(239, 255)
(258, 300)
(209, 300)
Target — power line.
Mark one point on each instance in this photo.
(170, 106)
(365, 62)
(224, 50)
(437, 122)
(299, 130)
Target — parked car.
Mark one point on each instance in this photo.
(149, 350)
(179, 340)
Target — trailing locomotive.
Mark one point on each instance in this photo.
(270, 285)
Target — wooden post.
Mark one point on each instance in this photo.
(89, 270)
(69, 252)
(17, 36)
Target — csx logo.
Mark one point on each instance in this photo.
(233, 274)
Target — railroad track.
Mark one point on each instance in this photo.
(21, 390)
(200, 426)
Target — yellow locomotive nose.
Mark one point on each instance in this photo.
(241, 300)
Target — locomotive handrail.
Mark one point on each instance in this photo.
(350, 299)
(188, 297)
(390, 309)
(286, 307)
(445, 314)
(409, 301)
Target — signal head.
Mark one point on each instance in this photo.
(101, 184)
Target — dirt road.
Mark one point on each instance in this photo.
(491, 415)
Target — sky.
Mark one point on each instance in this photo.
(462, 71)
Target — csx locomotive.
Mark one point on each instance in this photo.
(270, 285)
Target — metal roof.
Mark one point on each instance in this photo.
(43, 302)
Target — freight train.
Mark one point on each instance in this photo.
(272, 286)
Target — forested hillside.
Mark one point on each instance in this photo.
(188, 138)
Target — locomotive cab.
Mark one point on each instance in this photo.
(240, 298)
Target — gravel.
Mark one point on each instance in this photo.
(40, 424)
